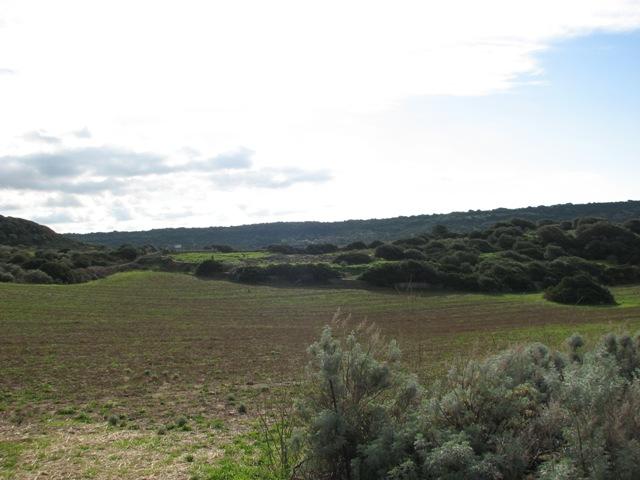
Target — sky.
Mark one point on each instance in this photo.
(131, 115)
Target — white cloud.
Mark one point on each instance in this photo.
(311, 86)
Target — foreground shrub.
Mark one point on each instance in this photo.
(528, 412)
(580, 289)
(209, 268)
(358, 395)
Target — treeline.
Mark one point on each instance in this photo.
(301, 233)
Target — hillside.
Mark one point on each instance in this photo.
(260, 235)
(20, 232)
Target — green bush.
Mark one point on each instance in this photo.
(127, 252)
(304, 273)
(36, 276)
(250, 274)
(413, 254)
(580, 289)
(510, 275)
(283, 249)
(405, 272)
(209, 268)
(320, 248)
(389, 252)
(58, 270)
(355, 246)
(528, 412)
(353, 258)
(6, 277)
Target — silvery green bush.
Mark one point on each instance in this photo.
(528, 412)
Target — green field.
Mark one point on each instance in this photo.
(231, 257)
(142, 349)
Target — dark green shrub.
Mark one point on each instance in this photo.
(283, 249)
(489, 284)
(603, 240)
(460, 281)
(355, 246)
(6, 277)
(481, 245)
(509, 274)
(57, 270)
(529, 249)
(389, 252)
(33, 263)
(19, 259)
(127, 252)
(81, 260)
(36, 276)
(375, 244)
(405, 272)
(320, 248)
(353, 258)
(566, 225)
(442, 231)
(621, 275)
(506, 241)
(413, 254)
(305, 273)
(553, 234)
(523, 224)
(584, 221)
(250, 274)
(633, 225)
(209, 268)
(302, 273)
(580, 289)
(554, 251)
(411, 242)
(569, 266)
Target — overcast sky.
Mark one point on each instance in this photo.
(138, 114)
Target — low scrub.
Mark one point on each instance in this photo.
(353, 258)
(580, 289)
(209, 268)
(405, 272)
(529, 412)
(306, 273)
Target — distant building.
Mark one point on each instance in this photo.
(177, 247)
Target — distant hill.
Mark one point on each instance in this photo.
(17, 231)
(263, 234)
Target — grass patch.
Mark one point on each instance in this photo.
(231, 257)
